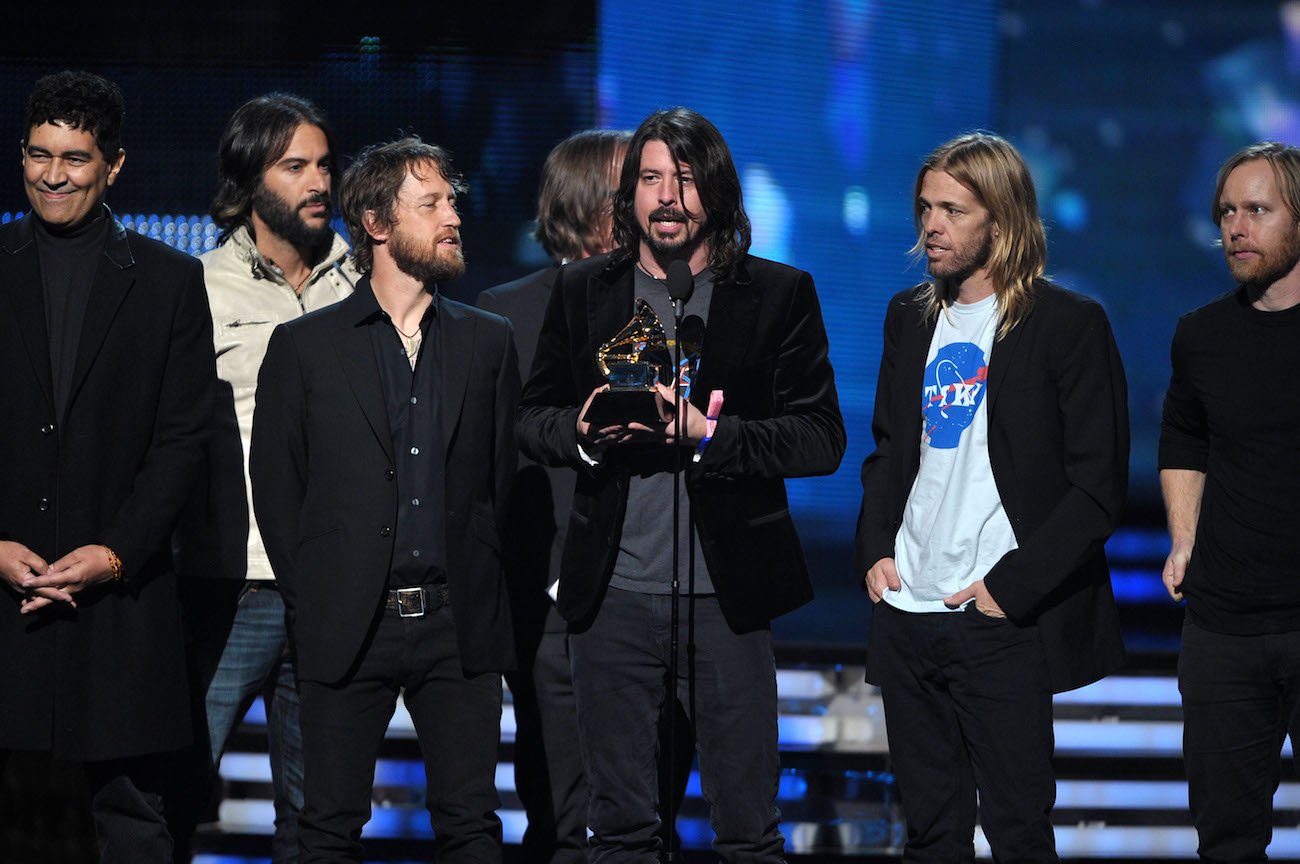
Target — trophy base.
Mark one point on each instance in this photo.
(621, 407)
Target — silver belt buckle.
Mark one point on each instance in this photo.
(410, 602)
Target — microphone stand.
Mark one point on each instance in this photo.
(679, 466)
(681, 284)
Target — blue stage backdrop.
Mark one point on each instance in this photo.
(828, 109)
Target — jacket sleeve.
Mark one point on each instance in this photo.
(548, 412)
(1092, 406)
(146, 518)
(805, 434)
(876, 521)
(278, 456)
(506, 450)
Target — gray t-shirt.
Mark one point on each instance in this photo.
(645, 554)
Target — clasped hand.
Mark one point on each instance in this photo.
(42, 584)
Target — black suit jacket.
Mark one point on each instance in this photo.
(538, 513)
(765, 348)
(324, 481)
(106, 680)
(1057, 407)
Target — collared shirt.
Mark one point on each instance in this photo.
(248, 299)
(412, 397)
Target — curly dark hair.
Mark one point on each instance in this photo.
(81, 100)
(372, 181)
(259, 132)
(692, 139)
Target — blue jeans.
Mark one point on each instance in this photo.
(256, 660)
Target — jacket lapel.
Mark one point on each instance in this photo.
(1003, 354)
(609, 303)
(357, 357)
(21, 286)
(113, 280)
(728, 333)
(455, 354)
(913, 350)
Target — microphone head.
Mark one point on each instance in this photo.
(680, 281)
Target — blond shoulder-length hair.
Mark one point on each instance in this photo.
(997, 175)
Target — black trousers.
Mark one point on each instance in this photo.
(126, 807)
(548, 766)
(1239, 702)
(728, 686)
(457, 720)
(968, 708)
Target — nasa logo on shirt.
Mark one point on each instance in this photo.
(952, 392)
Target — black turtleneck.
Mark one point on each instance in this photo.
(68, 263)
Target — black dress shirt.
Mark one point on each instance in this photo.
(412, 398)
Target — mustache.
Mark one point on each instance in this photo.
(668, 214)
(313, 200)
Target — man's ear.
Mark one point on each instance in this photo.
(375, 226)
(115, 165)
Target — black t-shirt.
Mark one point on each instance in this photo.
(1233, 412)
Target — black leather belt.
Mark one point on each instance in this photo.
(414, 602)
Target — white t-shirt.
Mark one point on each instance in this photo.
(954, 527)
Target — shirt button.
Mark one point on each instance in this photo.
(45, 504)
(390, 474)
(415, 502)
(385, 531)
(47, 429)
(415, 451)
(415, 553)
(414, 399)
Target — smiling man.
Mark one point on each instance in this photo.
(1000, 467)
(766, 379)
(1230, 473)
(383, 449)
(106, 344)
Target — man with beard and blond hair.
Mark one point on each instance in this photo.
(763, 375)
(277, 259)
(1001, 462)
(1230, 473)
(383, 449)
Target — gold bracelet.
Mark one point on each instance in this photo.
(114, 566)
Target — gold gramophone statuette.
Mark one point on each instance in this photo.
(637, 356)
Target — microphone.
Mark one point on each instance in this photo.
(681, 284)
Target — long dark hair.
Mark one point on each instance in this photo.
(692, 139)
(257, 135)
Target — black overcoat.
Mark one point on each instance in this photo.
(106, 680)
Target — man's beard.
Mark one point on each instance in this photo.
(424, 261)
(286, 222)
(965, 264)
(1271, 266)
(682, 246)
